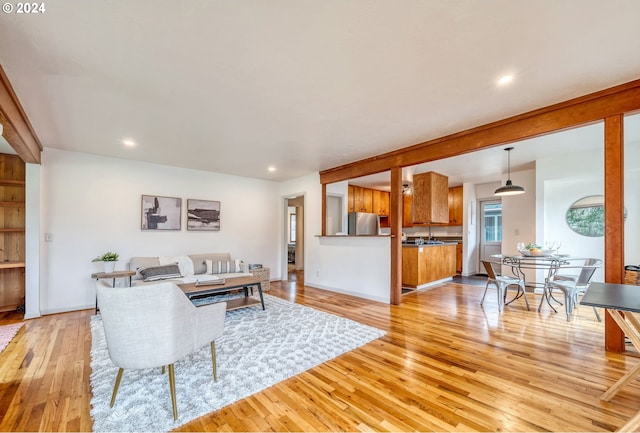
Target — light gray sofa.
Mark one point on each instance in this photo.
(192, 268)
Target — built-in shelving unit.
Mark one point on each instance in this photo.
(12, 232)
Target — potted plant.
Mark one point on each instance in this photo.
(109, 260)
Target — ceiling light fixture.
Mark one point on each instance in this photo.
(128, 142)
(509, 188)
(271, 168)
(505, 79)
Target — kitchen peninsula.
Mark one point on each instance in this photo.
(427, 263)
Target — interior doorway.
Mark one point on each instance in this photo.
(490, 224)
(294, 238)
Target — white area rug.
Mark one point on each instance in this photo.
(258, 349)
(7, 332)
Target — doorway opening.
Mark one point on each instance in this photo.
(294, 238)
(490, 224)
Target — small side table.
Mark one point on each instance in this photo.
(113, 276)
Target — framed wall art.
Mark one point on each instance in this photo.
(203, 215)
(161, 213)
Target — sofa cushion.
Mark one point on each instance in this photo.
(163, 272)
(137, 263)
(199, 261)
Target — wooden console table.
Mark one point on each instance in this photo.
(231, 284)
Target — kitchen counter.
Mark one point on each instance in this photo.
(428, 245)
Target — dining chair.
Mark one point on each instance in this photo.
(154, 326)
(502, 282)
(574, 286)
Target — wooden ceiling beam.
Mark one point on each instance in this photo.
(17, 129)
(579, 111)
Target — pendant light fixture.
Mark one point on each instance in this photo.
(509, 188)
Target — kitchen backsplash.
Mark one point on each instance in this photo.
(451, 231)
(435, 231)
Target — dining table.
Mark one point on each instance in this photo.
(550, 264)
(622, 303)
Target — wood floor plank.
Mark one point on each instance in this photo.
(445, 364)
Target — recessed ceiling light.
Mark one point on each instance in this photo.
(128, 142)
(271, 168)
(505, 79)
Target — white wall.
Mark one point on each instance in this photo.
(355, 266)
(562, 181)
(92, 204)
(519, 213)
(632, 201)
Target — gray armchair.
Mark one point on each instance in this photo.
(154, 326)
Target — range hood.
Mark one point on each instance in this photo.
(430, 198)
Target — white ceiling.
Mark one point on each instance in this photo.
(302, 85)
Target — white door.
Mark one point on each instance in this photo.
(490, 230)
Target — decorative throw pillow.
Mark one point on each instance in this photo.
(224, 267)
(156, 273)
(184, 263)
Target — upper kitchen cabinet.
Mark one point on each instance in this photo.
(381, 202)
(455, 206)
(362, 199)
(351, 198)
(430, 198)
(407, 211)
(368, 200)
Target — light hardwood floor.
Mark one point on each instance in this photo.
(445, 364)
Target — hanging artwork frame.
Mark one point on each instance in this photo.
(161, 213)
(203, 215)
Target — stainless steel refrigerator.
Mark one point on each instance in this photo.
(362, 223)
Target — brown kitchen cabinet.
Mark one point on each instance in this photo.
(430, 198)
(351, 198)
(459, 258)
(455, 206)
(363, 199)
(368, 200)
(425, 264)
(407, 211)
(381, 202)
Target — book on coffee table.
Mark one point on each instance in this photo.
(210, 282)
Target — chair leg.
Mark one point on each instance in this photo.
(486, 287)
(501, 292)
(524, 295)
(568, 305)
(214, 361)
(172, 387)
(116, 386)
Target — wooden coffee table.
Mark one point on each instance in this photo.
(231, 284)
